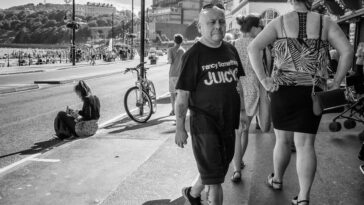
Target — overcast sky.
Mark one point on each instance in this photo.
(119, 4)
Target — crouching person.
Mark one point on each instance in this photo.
(83, 123)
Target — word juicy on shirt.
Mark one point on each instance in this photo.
(217, 76)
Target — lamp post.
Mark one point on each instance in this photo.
(72, 25)
(73, 34)
(8, 60)
(112, 29)
(142, 29)
(132, 29)
(123, 33)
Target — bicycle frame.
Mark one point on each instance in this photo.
(141, 84)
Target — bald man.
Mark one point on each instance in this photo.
(207, 87)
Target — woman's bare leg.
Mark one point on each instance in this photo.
(281, 153)
(306, 163)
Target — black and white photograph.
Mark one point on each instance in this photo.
(181, 102)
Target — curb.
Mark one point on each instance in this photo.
(18, 89)
(62, 68)
(23, 72)
(55, 82)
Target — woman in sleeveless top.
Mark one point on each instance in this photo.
(250, 92)
(300, 52)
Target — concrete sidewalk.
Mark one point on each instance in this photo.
(134, 164)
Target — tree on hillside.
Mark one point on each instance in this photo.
(101, 22)
(92, 23)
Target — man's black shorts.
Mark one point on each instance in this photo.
(213, 149)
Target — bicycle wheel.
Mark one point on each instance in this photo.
(153, 95)
(138, 105)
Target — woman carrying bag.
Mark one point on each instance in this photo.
(253, 97)
(300, 47)
(83, 123)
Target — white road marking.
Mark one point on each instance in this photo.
(32, 157)
(44, 160)
(18, 162)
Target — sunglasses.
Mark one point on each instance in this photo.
(211, 5)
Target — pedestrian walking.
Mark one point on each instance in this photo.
(81, 123)
(251, 90)
(300, 51)
(207, 87)
(174, 58)
(93, 59)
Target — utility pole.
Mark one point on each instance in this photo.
(123, 33)
(112, 29)
(73, 34)
(142, 29)
(132, 28)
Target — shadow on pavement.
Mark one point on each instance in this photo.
(164, 100)
(39, 147)
(179, 201)
(135, 126)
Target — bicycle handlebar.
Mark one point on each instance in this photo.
(135, 69)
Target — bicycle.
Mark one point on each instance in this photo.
(140, 101)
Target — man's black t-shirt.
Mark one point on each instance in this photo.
(211, 75)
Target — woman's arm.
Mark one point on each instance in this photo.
(255, 48)
(339, 41)
(86, 113)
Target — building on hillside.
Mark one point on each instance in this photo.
(98, 9)
(270, 9)
(94, 9)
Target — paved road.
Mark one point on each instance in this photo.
(68, 73)
(26, 122)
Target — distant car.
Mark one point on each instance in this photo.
(159, 52)
(152, 54)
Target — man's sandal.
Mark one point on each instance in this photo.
(236, 177)
(276, 185)
(296, 202)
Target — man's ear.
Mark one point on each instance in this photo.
(199, 27)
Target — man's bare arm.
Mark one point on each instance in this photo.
(181, 108)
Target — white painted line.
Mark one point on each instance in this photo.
(18, 162)
(44, 160)
(102, 125)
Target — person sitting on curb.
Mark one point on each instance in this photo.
(81, 123)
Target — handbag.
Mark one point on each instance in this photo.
(86, 128)
(326, 100)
